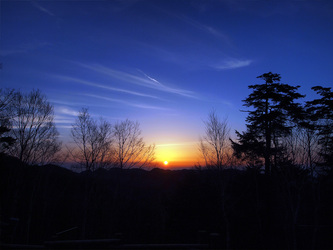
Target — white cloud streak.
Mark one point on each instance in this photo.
(146, 81)
(63, 121)
(208, 29)
(150, 78)
(136, 105)
(232, 64)
(89, 83)
(66, 111)
(41, 8)
(65, 127)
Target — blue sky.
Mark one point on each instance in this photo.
(166, 64)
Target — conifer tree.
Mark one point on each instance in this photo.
(321, 111)
(273, 107)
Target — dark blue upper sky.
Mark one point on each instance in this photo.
(163, 63)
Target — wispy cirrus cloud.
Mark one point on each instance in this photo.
(63, 121)
(64, 116)
(144, 106)
(41, 8)
(132, 104)
(66, 111)
(145, 81)
(232, 64)
(210, 30)
(150, 78)
(90, 83)
(207, 29)
(203, 27)
(158, 85)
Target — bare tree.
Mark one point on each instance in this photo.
(301, 147)
(93, 141)
(6, 99)
(6, 104)
(214, 145)
(35, 134)
(131, 150)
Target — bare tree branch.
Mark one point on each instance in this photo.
(93, 141)
(214, 143)
(6, 115)
(33, 129)
(131, 151)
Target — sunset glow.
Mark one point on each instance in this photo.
(177, 154)
(204, 124)
(93, 54)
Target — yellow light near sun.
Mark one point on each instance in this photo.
(166, 153)
(173, 155)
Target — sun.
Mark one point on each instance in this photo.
(165, 163)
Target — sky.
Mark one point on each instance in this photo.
(163, 63)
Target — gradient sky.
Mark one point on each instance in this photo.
(165, 64)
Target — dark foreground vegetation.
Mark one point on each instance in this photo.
(282, 200)
(247, 209)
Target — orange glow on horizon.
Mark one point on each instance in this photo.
(177, 155)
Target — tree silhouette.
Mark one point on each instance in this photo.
(322, 113)
(273, 106)
(130, 149)
(35, 134)
(93, 141)
(214, 143)
(6, 104)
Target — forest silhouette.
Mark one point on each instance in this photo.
(270, 188)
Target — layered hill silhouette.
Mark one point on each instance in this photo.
(245, 208)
